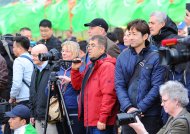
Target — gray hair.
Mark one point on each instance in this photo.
(102, 40)
(161, 16)
(175, 91)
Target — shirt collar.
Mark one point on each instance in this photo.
(40, 68)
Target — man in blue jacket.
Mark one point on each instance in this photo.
(138, 76)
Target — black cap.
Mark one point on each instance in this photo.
(98, 22)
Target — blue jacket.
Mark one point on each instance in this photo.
(151, 77)
(70, 94)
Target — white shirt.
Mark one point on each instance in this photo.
(20, 130)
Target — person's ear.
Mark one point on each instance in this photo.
(145, 36)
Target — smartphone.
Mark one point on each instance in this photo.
(188, 6)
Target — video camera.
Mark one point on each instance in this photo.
(52, 55)
(175, 51)
(126, 118)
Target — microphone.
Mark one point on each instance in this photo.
(73, 61)
(174, 41)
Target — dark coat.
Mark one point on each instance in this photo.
(151, 77)
(168, 31)
(178, 125)
(38, 96)
(112, 49)
(51, 43)
(3, 76)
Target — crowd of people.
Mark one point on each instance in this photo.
(109, 73)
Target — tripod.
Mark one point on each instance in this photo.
(54, 82)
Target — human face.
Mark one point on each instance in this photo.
(95, 31)
(46, 32)
(35, 53)
(126, 38)
(94, 49)
(67, 54)
(137, 40)
(168, 104)
(16, 49)
(155, 25)
(27, 34)
(16, 122)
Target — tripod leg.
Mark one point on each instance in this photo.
(60, 95)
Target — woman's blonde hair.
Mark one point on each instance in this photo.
(72, 46)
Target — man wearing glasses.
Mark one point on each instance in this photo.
(97, 101)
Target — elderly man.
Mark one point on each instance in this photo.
(98, 101)
(161, 27)
(38, 98)
(99, 26)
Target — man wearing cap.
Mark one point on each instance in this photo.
(19, 120)
(99, 26)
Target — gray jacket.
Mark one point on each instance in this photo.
(178, 125)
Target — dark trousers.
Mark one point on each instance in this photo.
(76, 125)
(152, 125)
(95, 130)
(26, 103)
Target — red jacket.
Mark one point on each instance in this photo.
(100, 101)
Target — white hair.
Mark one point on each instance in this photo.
(175, 90)
(161, 16)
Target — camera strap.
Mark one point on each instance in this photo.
(140, 64)
(5, 45)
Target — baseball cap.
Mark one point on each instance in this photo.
(98, 22)
(19, 111)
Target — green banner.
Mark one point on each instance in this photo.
(15, 14)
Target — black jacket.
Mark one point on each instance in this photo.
(38, 97)
(51, 43)
(166, 32)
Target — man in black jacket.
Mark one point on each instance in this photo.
(38, 97)
(48, 39)
(162, 27)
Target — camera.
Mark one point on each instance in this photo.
(52, 55)
(126, 118)
(175, 51)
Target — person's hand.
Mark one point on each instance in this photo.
(64, 79)
(76, 66)
(12, 100)
(138, 126)
(187, 18)
(132, 109)
(101, 126)
(32, 121)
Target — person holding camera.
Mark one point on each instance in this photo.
(138, 76)
(97, 100)
(174, 98)
(38, 97)
(70, 51)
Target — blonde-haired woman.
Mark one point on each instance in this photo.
(70, 51)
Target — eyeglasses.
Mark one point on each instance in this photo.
(91, 46)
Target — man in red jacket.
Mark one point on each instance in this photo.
(98, 101)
